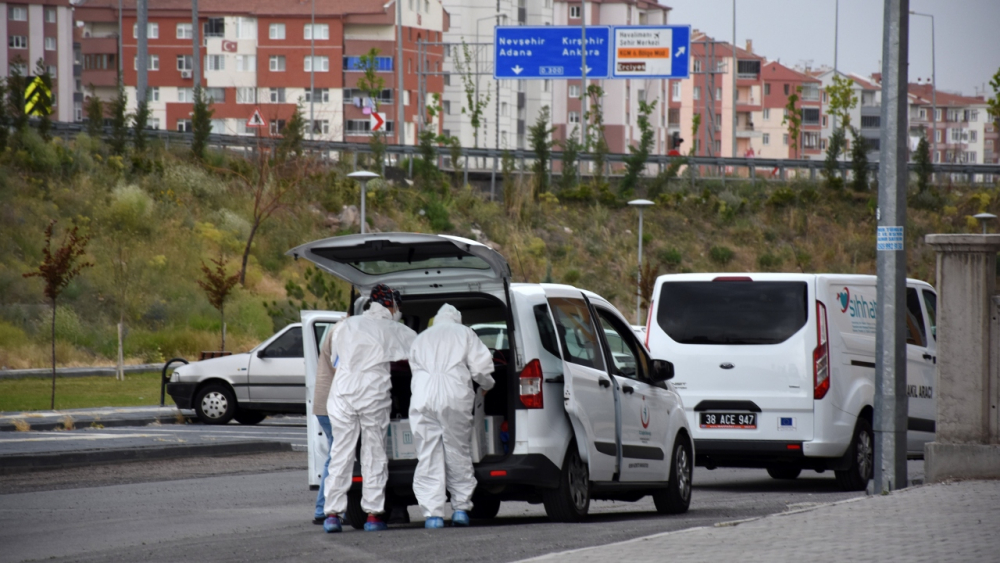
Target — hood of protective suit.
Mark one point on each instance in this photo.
(448, 313)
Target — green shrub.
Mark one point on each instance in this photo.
(571, 277)
(437, 216)
(721, 254)
(669, 256)
(768, 262)
(782, 197)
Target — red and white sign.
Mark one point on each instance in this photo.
(377, 121)
(749, 153)
(256, 120)
(228, 46)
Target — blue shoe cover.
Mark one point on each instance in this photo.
(460, 518)
(434, 522)
(375, 524)
(332, 524)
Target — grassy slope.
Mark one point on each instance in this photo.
(177, 214)
(34, 393)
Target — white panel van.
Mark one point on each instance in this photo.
(778, 370)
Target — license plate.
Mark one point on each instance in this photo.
(729, 420)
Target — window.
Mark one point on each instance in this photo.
(277, 63)
(447, 80)
(574, 91)
(52, 70)
(218, 127)
(732, 313)
(50, 43)
(956, 135)
(446, 105)
(546, 84)
(246, 95)
(321, 127)
(277, 126)
(973, 137)
(767, 114)
(970, 157)
(937, 114)
(937, 156)
(676, 94)
(810, 116)
(353, 64)
(974, 115)
(154, 123)
(153, 64)
(50, 15)
(784, 138)
(22, 68)
(215, 95)
(276, 31)
(277, 95)
(215, 62)
(923, 114)
(930, 301)
(810, 92)
(316, 64)
(18, 13)
(153, 94)
(916, 331)
(989, 144)
(215, 27)
(320, 30)
(810, 140)
(503, 109)
(185, 62)
(184, 125)
(363, 127)
(246, 28)
(953, 115)
(288, 345)
(697, 92)
(825, 121)
(577, 333)
(718, 93)
(17, 42)
(625, 355)
(574, 12)
(185, 31)
(152, 30)
(767, 89)
(246, 63)
(937, 135)
(786, 89)
(574, 117)
(322, 95)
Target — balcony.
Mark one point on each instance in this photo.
(747, 70)
(99, 45)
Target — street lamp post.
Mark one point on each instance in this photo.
(363, 176)
(933, 84)
(639, 204)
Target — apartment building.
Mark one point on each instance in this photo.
(866, 116)
(958, 132)
(41, 30)
(262, 54)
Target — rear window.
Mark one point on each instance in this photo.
(735, 312)
(402, 257)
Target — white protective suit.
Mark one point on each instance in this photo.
(445, 359)
(359, 402)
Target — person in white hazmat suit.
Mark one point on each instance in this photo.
(445, 359)
(359, 403)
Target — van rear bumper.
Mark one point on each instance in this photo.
(764, 453)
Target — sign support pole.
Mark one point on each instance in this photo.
(890, 340)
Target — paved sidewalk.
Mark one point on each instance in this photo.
(99, 417)
(956, 521)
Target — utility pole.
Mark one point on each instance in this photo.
(836, 37)
(736, 68)
(121, 45)
(142, 60)
(400, 124)
(196, 44)
(583, 69)
(312, 74)
(890, 338)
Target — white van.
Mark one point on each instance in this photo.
(778, 370)
(580, 422)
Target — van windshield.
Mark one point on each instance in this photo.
(737, 312)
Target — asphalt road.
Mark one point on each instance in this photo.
(256, 508)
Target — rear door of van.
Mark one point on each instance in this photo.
(315, 325)
(743, 351)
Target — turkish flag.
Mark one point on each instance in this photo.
(229, 46)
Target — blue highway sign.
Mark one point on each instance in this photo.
(646, 51)
(547, 52)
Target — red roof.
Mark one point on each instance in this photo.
(252, 7)
(943, 99)
(777, 71)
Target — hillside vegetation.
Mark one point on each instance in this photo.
(156, 217)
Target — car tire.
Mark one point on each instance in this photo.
(485, 508)
(570, 501)
(356, 516)
(783, 472)
(676, 498)
(215, 404)
(862, 457)
(249, 417)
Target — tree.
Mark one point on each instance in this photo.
(218, 286)
(57, 270)
(635, 163)
(859, 161)
(4, 116)
(922, 158)
(570, 178)
(140, 122)
(95, 115)
(372, 84)
(292, 135)
(45, 107)
(428, 174)
(793, 118)
(15, 94)
(541, 144)
(475, 105)
(842, 100)
(833, 149)
(201, 122)
(596, 143)
(993, 104)
(119, 122)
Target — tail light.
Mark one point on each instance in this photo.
(649, 322)
(821, 355)
(531, 385)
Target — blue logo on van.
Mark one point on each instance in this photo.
(857, 306)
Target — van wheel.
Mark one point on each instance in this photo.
(485, 508)
(571, 500)
(244, 416)
(783, 472)
(356, 516)
(862, 454)
(676, 498)
(215, 404)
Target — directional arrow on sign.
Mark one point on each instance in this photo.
(377, 121)
(517, 69)
(680, 51)
(588, 69)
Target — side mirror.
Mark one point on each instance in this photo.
(262, 353)
(662, 370)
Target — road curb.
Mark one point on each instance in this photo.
(78, 372)
(61, 460)
(94, 423)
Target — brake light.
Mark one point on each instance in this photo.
(531, 385)
(498, 473)
(357, 479)
(821, 355)
(649, 321)
(733, 278)
(794, 446)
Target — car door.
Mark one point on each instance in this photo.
(277, 371)
(588, 391)
(645, 406)
(921, 368)
(315, 325)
